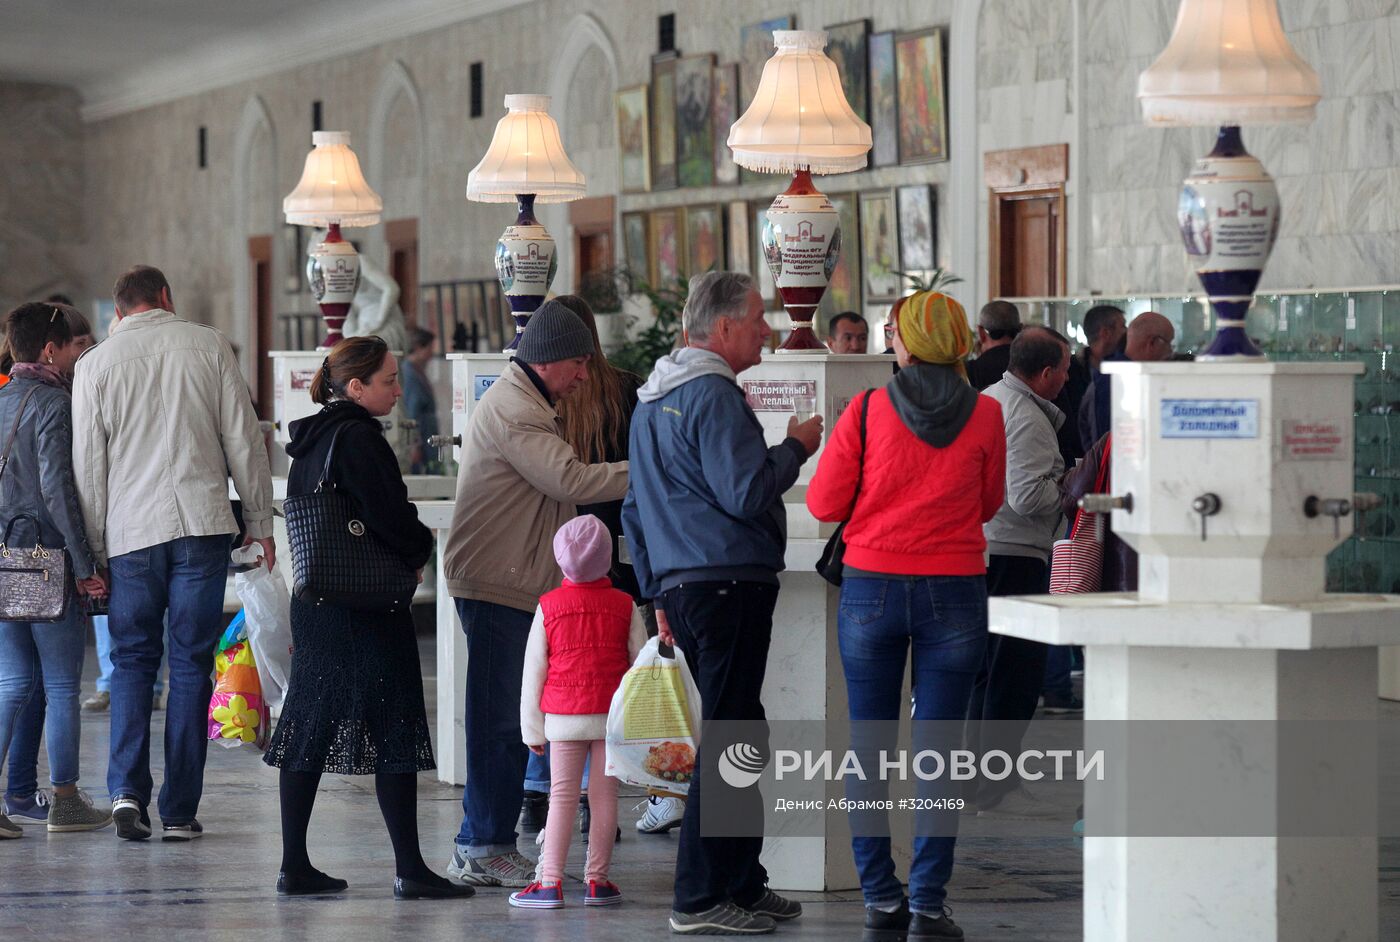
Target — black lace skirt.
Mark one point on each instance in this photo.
(355, 706)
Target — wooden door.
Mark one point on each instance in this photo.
(402, 238)
(1026, 203)
(1030, 247)
(260, 299)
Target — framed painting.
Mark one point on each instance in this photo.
(879, 246)
(917, 246)
(666, 245)
(843, 290)
(884, 102)
(923, 129)
(695, 132)
(634, 156)
(767, 286)
(724, 112)
(634, 247)
(704, 239)
(662, 120)
(740, 255)
(848, 46)
(755, 49)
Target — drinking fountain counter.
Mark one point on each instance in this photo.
(1232, 480)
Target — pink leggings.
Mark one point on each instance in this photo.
(566, 772)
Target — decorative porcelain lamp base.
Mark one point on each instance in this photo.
(525, 265)
(1229, 216)
(333, 269)
(801, 243)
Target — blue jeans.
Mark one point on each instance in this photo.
(944, 620)
(58, 647)
(102, 637)
(186, 577)
(1059, 661)
(537, 771)
(496, 755)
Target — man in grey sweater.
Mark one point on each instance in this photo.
(1019, 539)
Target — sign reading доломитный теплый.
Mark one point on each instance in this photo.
(1210, 418)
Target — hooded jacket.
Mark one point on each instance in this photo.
(1027, 522)
(705, 497)
(365, 469)
(934, 470)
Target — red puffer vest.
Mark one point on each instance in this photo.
(586, 625)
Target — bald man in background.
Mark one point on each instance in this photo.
(1150, 339)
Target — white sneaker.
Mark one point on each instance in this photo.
(98, 702)
(513, 869)
(663, 814)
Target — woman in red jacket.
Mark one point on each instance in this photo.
(915, 493)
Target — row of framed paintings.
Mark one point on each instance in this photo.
(672, 131)
(884, 233)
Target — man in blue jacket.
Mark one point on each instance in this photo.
(707, 532)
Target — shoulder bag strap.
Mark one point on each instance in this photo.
(330, 455)
(1100, 482)
(14, 429)
(860, 468)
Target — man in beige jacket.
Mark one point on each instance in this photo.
(519, 483)
(161, 420)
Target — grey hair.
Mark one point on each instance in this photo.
(711, 296)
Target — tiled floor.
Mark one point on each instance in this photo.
(85, 887)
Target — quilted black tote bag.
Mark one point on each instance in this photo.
(336, 560)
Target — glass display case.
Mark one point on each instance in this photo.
(1361, 325)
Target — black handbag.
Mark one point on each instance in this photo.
(832, 564)
(33, 582)
(336, 560)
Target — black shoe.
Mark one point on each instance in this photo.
(1052, 704)
(408, 888)
(131, 819)
(534, 811)
(923, 927)
(585, 816)
(314, 883)
(182, 832)
(881, 926)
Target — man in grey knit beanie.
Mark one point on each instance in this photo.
(519, 483)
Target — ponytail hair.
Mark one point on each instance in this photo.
(352, 358)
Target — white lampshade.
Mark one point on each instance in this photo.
(332, 188)
(526, 156)
(1228, 62)
(799, 117)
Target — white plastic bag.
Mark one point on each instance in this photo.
(654, 723)
(268, 610)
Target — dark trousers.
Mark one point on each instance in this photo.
(496, 755)
(724, 630)
(1006, 690)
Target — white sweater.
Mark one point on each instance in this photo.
(538, 727)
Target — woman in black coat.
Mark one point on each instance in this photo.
(355, 703)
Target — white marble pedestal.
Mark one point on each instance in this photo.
(1213, 662)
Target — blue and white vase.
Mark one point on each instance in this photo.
(525, 265)
(1229, 215)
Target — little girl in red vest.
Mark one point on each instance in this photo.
(584, 637)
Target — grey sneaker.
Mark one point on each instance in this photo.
(1019, 804)
(76, 813)
(9, 831)
(98, 702)
(773, 906)
(513, 869)
(724, 919)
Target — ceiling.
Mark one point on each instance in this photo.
(126, 54)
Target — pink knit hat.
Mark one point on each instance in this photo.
(583, 547)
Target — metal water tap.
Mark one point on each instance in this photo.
(1103, 503)
(442, 443)
(1207, 505)
(1339, 507)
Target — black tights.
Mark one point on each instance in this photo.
(398, 802)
